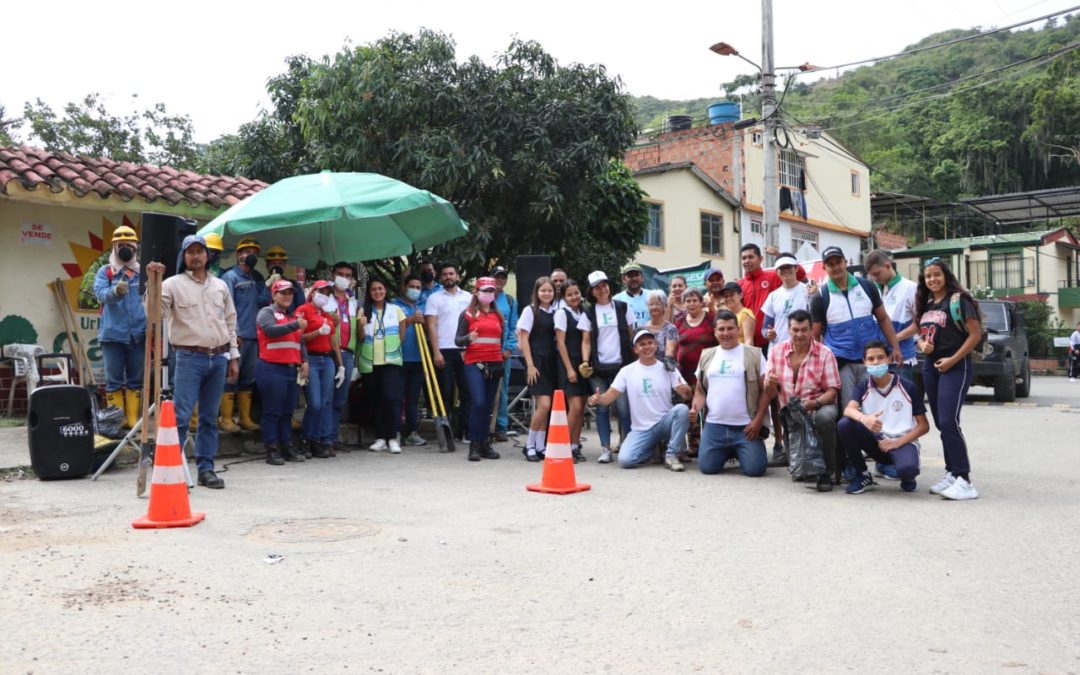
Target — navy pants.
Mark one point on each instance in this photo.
(413, 373)
(483, 392)
(386, 389)
(451, 374)
(341, 395)
(199, 378)
(277, 391)
(249, 358)
(856, 439)
(946, 392)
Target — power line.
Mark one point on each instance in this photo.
(947, 43)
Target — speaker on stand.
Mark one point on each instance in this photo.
(527, 269)
(162, 236)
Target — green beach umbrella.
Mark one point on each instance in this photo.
(340, 216)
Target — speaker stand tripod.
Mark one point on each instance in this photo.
(129, 439)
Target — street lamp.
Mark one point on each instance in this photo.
(724, 49)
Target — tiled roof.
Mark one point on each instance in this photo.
(890, 241)
(57, 171)
(946, 245)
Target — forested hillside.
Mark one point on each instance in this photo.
(999, 113)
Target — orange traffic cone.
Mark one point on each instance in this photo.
(169, 505)
(558, 475)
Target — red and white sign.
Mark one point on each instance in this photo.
(36, 233)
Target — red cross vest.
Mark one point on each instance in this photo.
(284, 349)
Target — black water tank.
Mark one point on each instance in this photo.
(679, 122)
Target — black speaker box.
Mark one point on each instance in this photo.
(61, 432)
(162, 236)
(527, 269)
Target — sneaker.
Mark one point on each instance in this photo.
(378, 446)
(1072, 379)
(672, 462)
(848, 474)
(605, 456)
(943, 484)
(886, 471)
(415, 439)
(395, 447)
(861, 484)
(960, 490)
(908, 485)
(824, 483)
(578, 455)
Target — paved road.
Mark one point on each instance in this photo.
(428, 563)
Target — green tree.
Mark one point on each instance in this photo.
(7, 127)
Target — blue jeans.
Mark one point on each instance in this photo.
(413, 372)
(320, 399)
(946, 392)
(199, 378)
(277, 391)
(721, 442)
(249, 358)
(124, 364)
(856, 439)
(482, 393)
(637, 447)
(341, 394)
(601, 380)
(502, 419)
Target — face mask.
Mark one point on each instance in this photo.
(342, 283)
(126, 253)
(427, 277)
(412, 294)
(321, 301)
(879, 370)
(250, 259)
(486, 296)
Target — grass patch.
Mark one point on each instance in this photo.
(6, 422)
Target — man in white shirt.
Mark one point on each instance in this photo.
(898, 296)
(731, 390)
(441, 314)
(634, 295)
(649, 385)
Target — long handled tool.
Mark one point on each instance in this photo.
(78, 350)
(151, 363)
(443, 431)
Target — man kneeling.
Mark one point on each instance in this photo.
(648, 385)
(884, 419)
(731, 391)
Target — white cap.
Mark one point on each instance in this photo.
(786, 260)
(642, 333)
(596, 277)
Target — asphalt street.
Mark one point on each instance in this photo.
(425, 562)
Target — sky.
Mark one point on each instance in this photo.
(211, 60)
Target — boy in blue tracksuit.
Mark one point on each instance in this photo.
(122, 330)
(249, 293)
(507, 305)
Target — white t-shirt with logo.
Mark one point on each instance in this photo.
(447, 307)
(648, 388)
(779, 305)
(608, 347)
(726, 398)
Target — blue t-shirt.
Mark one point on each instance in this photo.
(410, 345)
(637, 305)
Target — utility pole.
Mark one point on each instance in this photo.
(770, 204)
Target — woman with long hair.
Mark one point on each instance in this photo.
(572, 339)
(696, 334)
(381, 363)
(949, 329)
(676, 306)
(536, 340)
(480, 332)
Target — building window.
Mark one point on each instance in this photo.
(654, 234)
(800, 237)
(855, 191)
(1007, 270)
(756, 138)
(791, 169)
(712, 234)
(756, 227)
(977, 275)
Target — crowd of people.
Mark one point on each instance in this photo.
(691, 375)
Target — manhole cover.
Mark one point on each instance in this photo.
(314, 530)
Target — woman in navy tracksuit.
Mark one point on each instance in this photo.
(949, 329)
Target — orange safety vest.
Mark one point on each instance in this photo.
(283, 349)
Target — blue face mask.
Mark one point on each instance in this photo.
(412, 294)
(878, 370)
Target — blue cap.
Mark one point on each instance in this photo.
(192, 239)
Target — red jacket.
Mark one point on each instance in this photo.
(316, 318)
(756, 287)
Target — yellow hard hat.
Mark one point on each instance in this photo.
(213, 241)
(276, 253)
(124, 233)
(248, 243)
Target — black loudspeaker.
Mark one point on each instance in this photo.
(527, 269)
(61, 432)
(162, 236)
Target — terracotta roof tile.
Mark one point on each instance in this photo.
(61, 170)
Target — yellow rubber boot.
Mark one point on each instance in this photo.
(115, 399)
(132, 407)
(225, 412)
(193, 424)
(243, 404)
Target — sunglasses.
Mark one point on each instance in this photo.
(932, 261)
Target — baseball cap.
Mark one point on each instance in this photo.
(831, 252)
(499, 271)
(643, 333)
(786, 260)
(711, 271)
(282, 285)
(597, 277)
(485, 282)
(731, 286)
(631, 267)
(192, 239)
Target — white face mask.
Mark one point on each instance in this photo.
(321, 301)
(342, 283)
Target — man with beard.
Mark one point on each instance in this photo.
(558, 280)
(428, 284)
(634, 294)
(441, 314)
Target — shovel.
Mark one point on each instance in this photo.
(443, 431)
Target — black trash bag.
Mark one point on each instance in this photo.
(806, 459)
(109, 422)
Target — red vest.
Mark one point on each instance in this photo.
(284, 349)
(488, 346)
(315, 319)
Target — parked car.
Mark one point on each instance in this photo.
(1006, 365)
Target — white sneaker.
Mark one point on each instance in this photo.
(605, 456)
(960, 490)
(673, 463)
(1072, 379)
(415, 439)
(395, 447)
(943, 484)
(378, 445)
